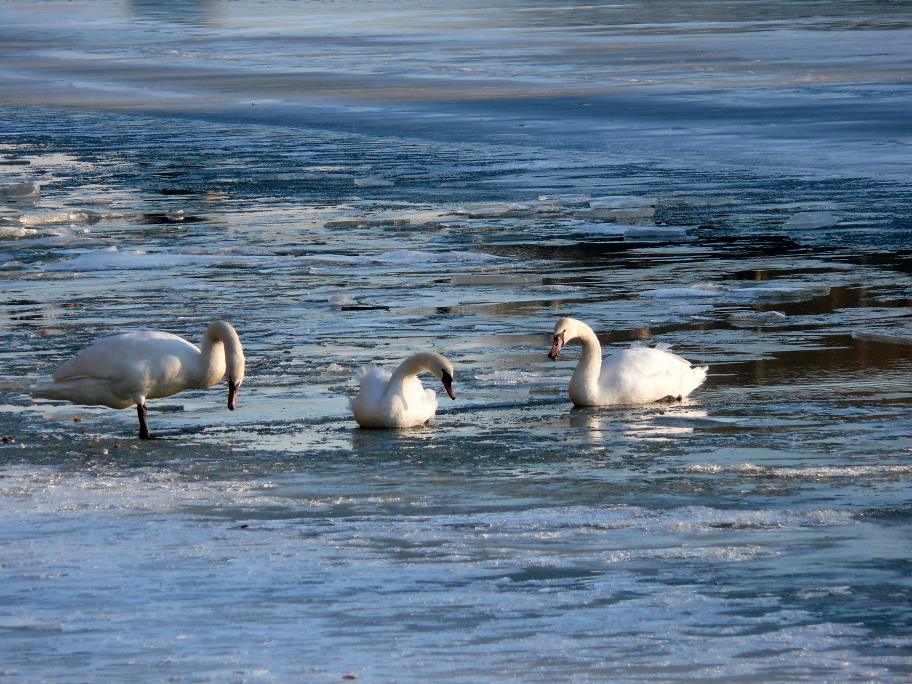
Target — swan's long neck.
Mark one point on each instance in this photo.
(408, 369)
(584, 383)
(220, 350)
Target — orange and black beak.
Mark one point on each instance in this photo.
(447, 380)
(232, 395)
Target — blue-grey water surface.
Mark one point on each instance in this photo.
(348, 182)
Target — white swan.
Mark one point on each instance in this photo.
(126, 369)
(632, 376)
(399, 400)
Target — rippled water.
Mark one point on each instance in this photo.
(348, 182)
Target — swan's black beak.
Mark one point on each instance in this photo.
(447, 380)
(556, 347)
(232, 395)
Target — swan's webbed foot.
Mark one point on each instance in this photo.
(669, 399)
(144, 433)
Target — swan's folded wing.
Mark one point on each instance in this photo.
(643, 374)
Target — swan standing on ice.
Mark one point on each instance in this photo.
(399, 400)
(632, 376)
(126, 369)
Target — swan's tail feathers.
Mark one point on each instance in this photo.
(697, 378)
(372, 374)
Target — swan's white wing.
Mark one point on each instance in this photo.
(643, 374)
(377, 406)
(120, 355)
(367, 406)
(129, 367)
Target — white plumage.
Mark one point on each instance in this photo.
(632, 376)
(126, 369)
(398, 399)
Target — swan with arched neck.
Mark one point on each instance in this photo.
(130, 368)
(398, 399)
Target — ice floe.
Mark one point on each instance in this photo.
(115, 259)
(16, 232)
(811, 220)
(372, 182)
(627, 230)
(58, 216)
(506, 377)
(619, 208)
(569, 200)
(757, 317)
(697, 291)
(18, 191)
(770, 291)
(488, 211)
(889, 338)
(774, 291)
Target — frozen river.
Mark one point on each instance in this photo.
(351, 182)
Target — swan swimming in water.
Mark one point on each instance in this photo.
(399, 400)
(126, 369)
(632, 376)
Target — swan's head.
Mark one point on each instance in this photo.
(235, 363)
(441, 367)
(566, 330)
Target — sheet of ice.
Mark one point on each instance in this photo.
(622, 202)
(692, 309)
(887, 337)
(566, 200)
(408, 256)
(58, 216)
(697, 291)
(779, 291)
(506, 377)
(812, 220)
(757, 317)
(633, 231)
(20, 191)
(114, 259)
(488, 211)
(16, 232)
(373, 182)
(811, 473)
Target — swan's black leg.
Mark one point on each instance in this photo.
(143, 426)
